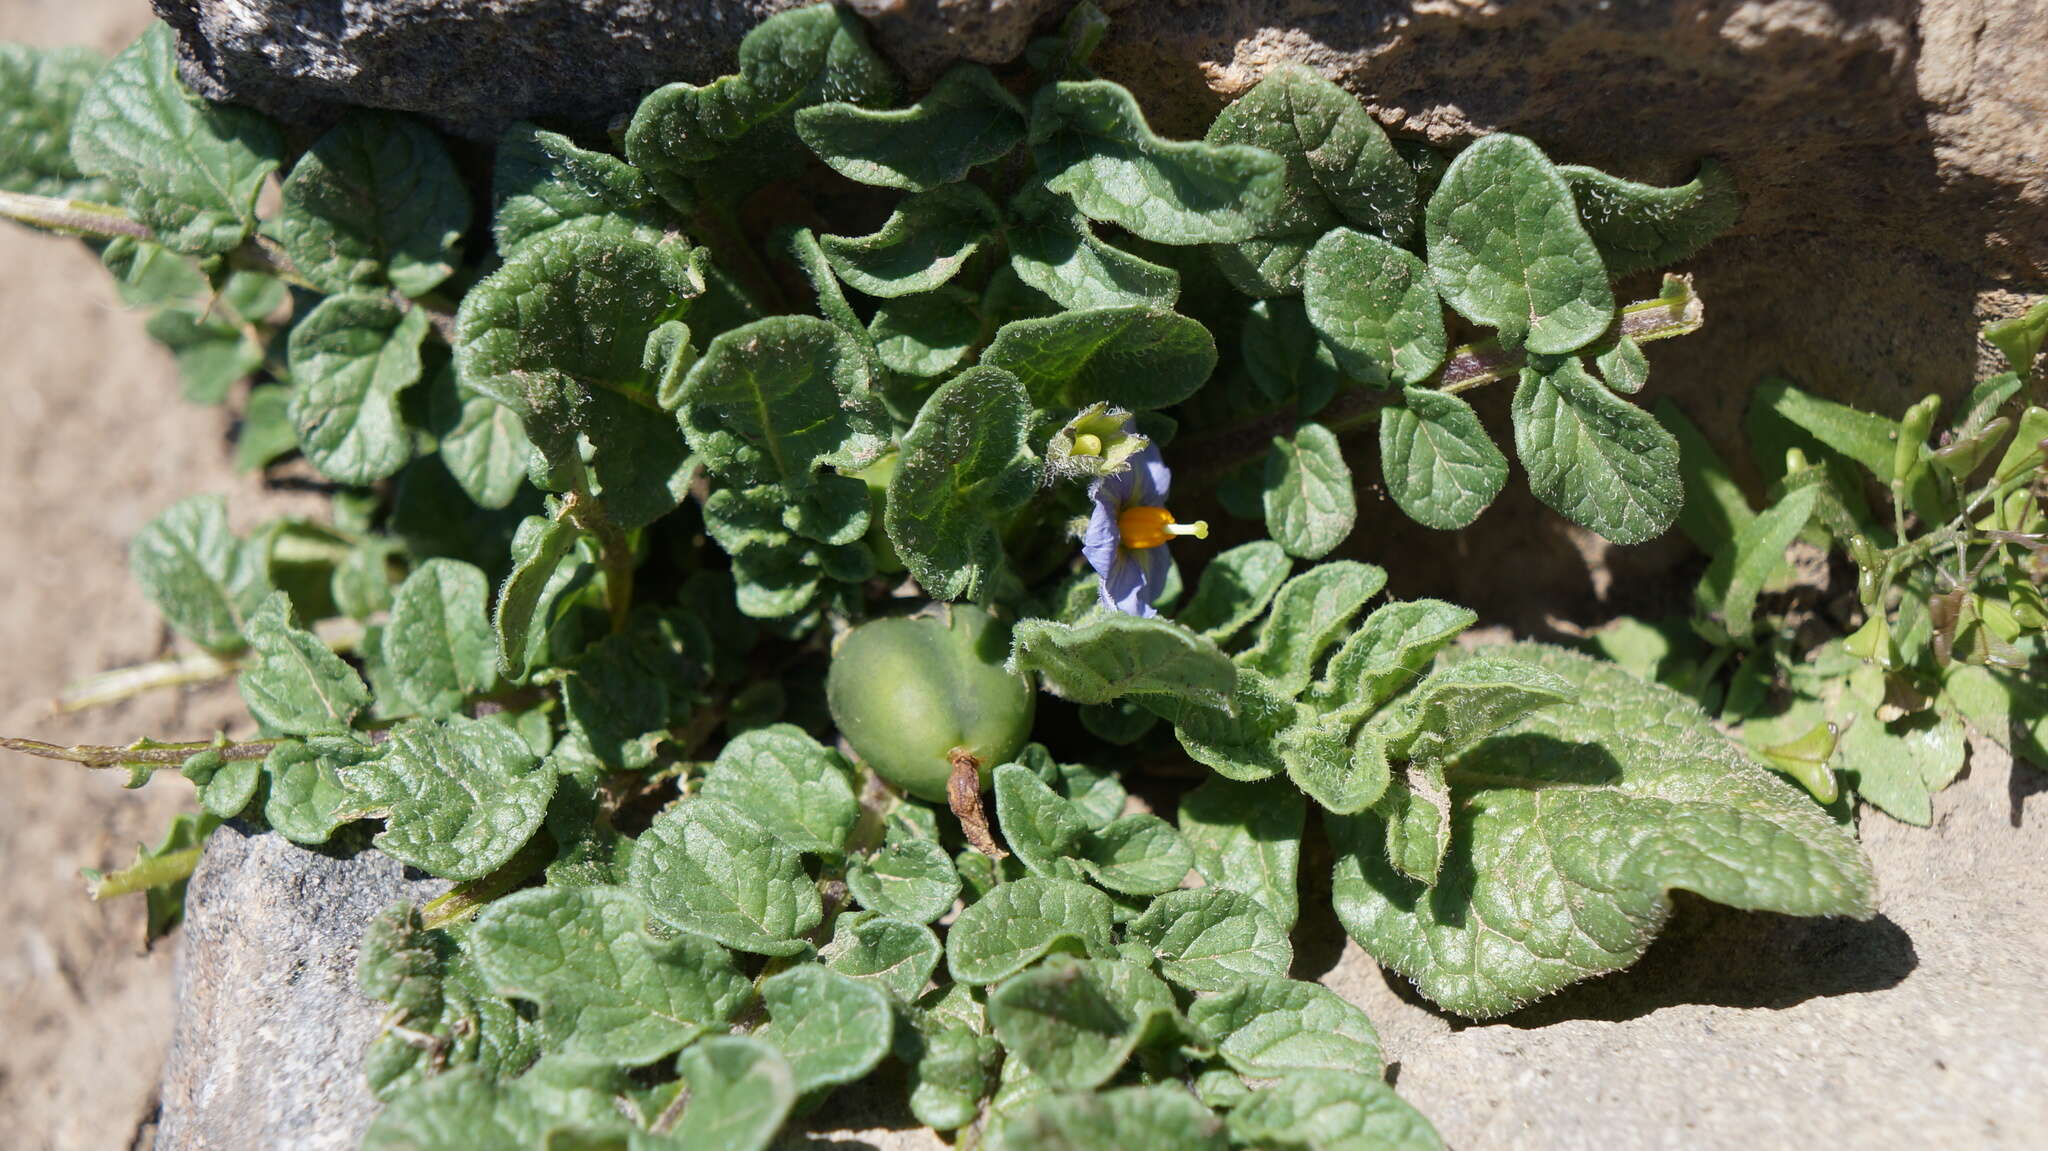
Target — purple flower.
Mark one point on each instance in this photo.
(1125, 541)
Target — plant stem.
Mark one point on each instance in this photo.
(614, 551)
(1677, 312)
(146, 754)
(102, 688)
(77, 217)
(466, 899)
(143, 874)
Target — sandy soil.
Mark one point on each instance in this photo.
(93, 442)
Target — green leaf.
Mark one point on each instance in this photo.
(1265, 1028)
(1392, 648)
(736, 131)
(1288, 361)
(1212, 938)
(542, 180)
(350, 358)
(965, 465)
(1240, 743)
(1312, 610)
(1737, 577)
(1121, 655)
(1235, 588)
(1440, 466)
(926, 335)
(520, 621)
(1074, 1023)
(1054, 249)
(1310, 507)
(967, 119)
(1638, 227)
(1091, 143)
(460, 796)
(703, 866)
(1623, 365)
(294, 684)
(1040, 826)
(1139, 854)
(1897, 765)
(1376, 308)
(1132, 357)
(214, 353)
(575, 305)
(1597, 459)
(1460, 705)
(438, 646)
(307, 799)
(775, 400)
(459, 1110)
(1341, 168)
(1246, 837)
(2019, 338)
(1163, 1118)
(1332, 1111)
(893, 954)
(376, 200)
(741, 1091)
(1865, 437)
(832, 1028)
(606, 990)
(790, 784)
(483, 444)
(1344, 773)
(40, 90)
(1017, 923)
(188, 169)
(1635, 793)
(196, 572)
(913, 881)
(150, 275)
(1716, 510)
(924, 242)
(1507, 250)
(224, 786)
(266, 434)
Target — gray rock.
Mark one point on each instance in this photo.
(472, 65)
(267, 1049)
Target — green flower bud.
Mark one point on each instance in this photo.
(1099, 441)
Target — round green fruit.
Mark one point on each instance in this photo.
(911, 693)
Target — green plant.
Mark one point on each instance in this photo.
(631, 501)
(1886, 601)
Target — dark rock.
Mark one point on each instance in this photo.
(471, 65)
(268, 1045)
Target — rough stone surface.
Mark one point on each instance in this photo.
(267, 1050)
(473, 65)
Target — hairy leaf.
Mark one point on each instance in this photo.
(1235, 588)
(1375, 306)
(307, 798)
(350, 358)
(1122, 655)
(1014, 925)
(1391, 649)
(741, 1090)
(1599, 460)
(1640, 226)
(964, 465)
(1268, 1027)
(966, 120)
(703, 866)
(1132, 356)
(438, 645)
(294, 684)
(204, 579)
(893, 954)
(779, 398)
(541, 180)
(1507, 249)
(459, 796)
(1635, 793)
(1310, 507)
(1246, 837)
(1311, 612)
(1074, 1023)
(1212, 938)
(912, 880)
(1160, 1118)
(376, 200)
(1092, 144)
(187, 168)
(923, 244)
(40, 90)
(1054, 249)
(606, 989)
(928, 334)
(1332, 1111)
(1439, 464)
(793, 786)
(832, 1028)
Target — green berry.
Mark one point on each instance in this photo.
(908, 692)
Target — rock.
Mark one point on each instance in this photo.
(267, 1049)
(472, 65)
(923, 36)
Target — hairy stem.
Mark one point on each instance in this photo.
(614, 551)
(77, 217)
(143, 874)
(101, 688)
(145, 754)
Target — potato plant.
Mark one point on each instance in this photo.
(754, 580)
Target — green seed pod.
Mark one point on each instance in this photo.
(912, 694)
